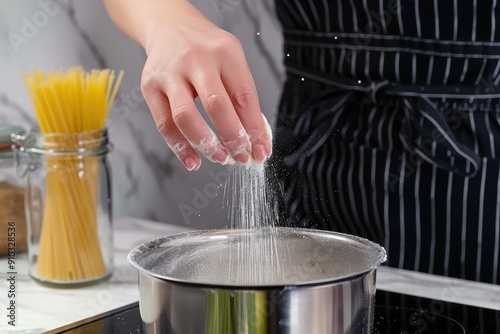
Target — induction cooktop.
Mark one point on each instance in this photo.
(394, 314)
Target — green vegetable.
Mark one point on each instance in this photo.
(237, 312)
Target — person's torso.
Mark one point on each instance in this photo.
(407, 41)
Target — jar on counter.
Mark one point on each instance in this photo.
(68, 201)
(12, 213)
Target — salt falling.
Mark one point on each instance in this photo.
(251, 199)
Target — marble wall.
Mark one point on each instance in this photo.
(148, 180)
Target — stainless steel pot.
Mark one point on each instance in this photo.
(267, 281)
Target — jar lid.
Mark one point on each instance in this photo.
(5, 140)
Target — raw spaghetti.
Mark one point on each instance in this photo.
(76, 103)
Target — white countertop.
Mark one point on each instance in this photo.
(40, 308)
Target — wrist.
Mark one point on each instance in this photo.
(167, 22)
(151, 32)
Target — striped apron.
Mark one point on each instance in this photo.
(389, 128)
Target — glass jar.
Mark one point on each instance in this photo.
(12, 216)
(69, 207)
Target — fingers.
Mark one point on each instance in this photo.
(230, 99)
(179, 121)
(160, 109)
(192, 126)
(220, 109)
(240, 87)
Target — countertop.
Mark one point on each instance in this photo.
(40, 308)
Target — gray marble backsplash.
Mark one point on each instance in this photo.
(148, 180)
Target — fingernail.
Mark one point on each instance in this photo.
(190, 163)
(259, 153)
(242, 158)
(220, 156)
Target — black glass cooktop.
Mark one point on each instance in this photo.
(394, 314)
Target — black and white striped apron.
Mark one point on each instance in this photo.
(389, 128)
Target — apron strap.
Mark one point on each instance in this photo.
(424, 131)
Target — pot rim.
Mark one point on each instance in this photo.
(153, 244)
(262, 287)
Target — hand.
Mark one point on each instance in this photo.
(189, 57)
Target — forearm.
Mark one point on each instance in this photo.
(139, 19)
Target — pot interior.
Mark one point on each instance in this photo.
(257, 258)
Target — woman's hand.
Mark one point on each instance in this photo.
(189, 57)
